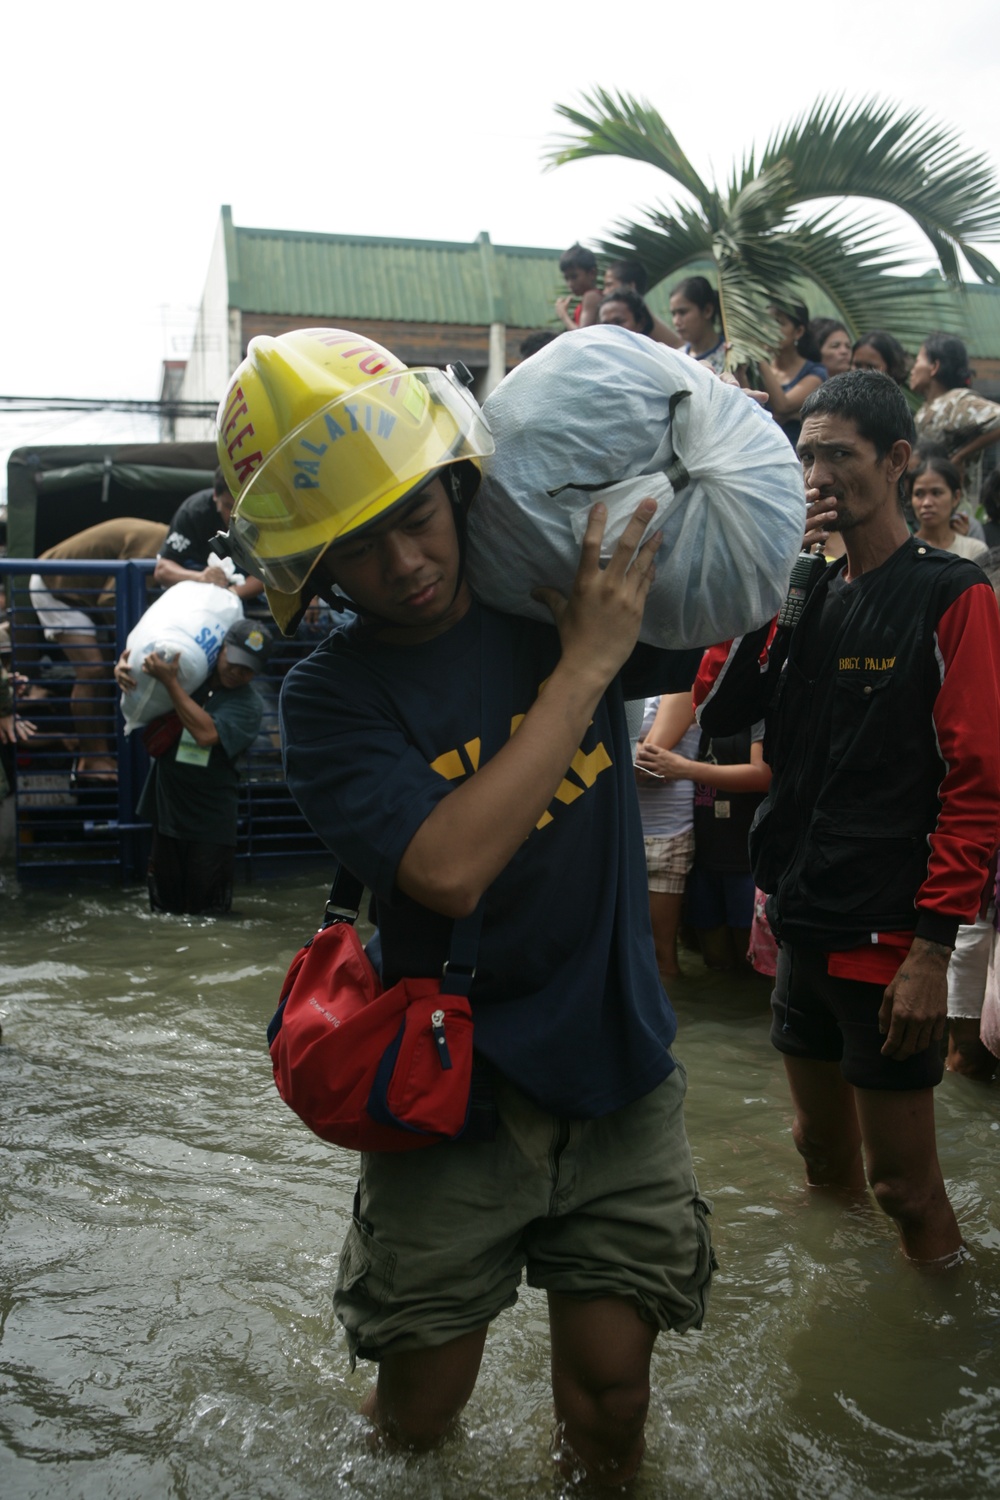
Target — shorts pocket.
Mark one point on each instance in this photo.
(364, 1284)
(697, 1287)
(367, 1269)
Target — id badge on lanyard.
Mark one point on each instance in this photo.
(190, 753)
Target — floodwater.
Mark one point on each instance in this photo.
(170, 1236)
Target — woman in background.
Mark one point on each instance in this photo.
(935, 496)
(626, 309)
(667, 811)
(879, 351)
(795, 371)
(834, 344)
(694, 309)
(730, 778)
(630, 276)
(964, 422)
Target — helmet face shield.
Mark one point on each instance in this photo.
(351, 461)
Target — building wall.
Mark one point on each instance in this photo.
(414, 343)
(986, 376)
(211, 361)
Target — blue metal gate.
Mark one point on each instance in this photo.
(67, 825)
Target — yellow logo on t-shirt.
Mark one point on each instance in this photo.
(585, 767)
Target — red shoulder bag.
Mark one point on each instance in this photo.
(379, 1069)
(369, 1068)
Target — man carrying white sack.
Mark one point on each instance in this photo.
(581, 1172)
(191, 794)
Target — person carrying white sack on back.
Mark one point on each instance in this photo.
(191, 794)
(186, 624)
(578, 1169)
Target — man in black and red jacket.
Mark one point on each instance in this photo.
(874, 842)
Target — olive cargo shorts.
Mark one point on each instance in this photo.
(593, 1208)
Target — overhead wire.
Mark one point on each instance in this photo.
(108, 403)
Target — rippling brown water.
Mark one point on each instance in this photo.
(170, 1236)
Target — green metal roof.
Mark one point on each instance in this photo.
(301, 274)
(415, 281)
(973, 314)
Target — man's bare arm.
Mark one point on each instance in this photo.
(196, 721)
(475, 831)
(167, 573)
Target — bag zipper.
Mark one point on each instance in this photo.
(437, 1031)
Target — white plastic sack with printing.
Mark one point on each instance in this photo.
(589, 418)
(189, 620)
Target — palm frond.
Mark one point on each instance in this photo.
(947, 255)
(754, 273)
(754, 267)
(855, 268)
(872, 149)
(620, 125)
(983, 268)
(763, 252)
(743, 300)
(665, 244)
(762, 203)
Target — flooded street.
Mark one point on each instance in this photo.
(170, 1237)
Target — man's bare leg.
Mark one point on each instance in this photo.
(716, 944)
(420, 1392)
(93, 675)
(904, 1172)
(741, 949)
(600, 1383)
(665, 918)
(825, 1129)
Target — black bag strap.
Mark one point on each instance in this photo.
(675, 470)
(496, 698)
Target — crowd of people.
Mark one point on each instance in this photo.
(831, 780)
(699, 793)
(818, 801)
(805, 352)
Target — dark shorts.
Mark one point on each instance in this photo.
(189, 878)
(715, 899)
(836, 1020)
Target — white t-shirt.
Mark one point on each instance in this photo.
(966, 546)
(668, 810)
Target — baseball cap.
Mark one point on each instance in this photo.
(248, 644)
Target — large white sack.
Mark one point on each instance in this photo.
(189, 620)
(592, 410)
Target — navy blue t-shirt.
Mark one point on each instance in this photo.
(792, 424)
(567, 1000)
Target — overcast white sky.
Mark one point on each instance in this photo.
(127, 126)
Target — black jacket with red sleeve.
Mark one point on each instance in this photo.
(883, 736)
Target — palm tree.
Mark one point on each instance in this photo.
(761, 241)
